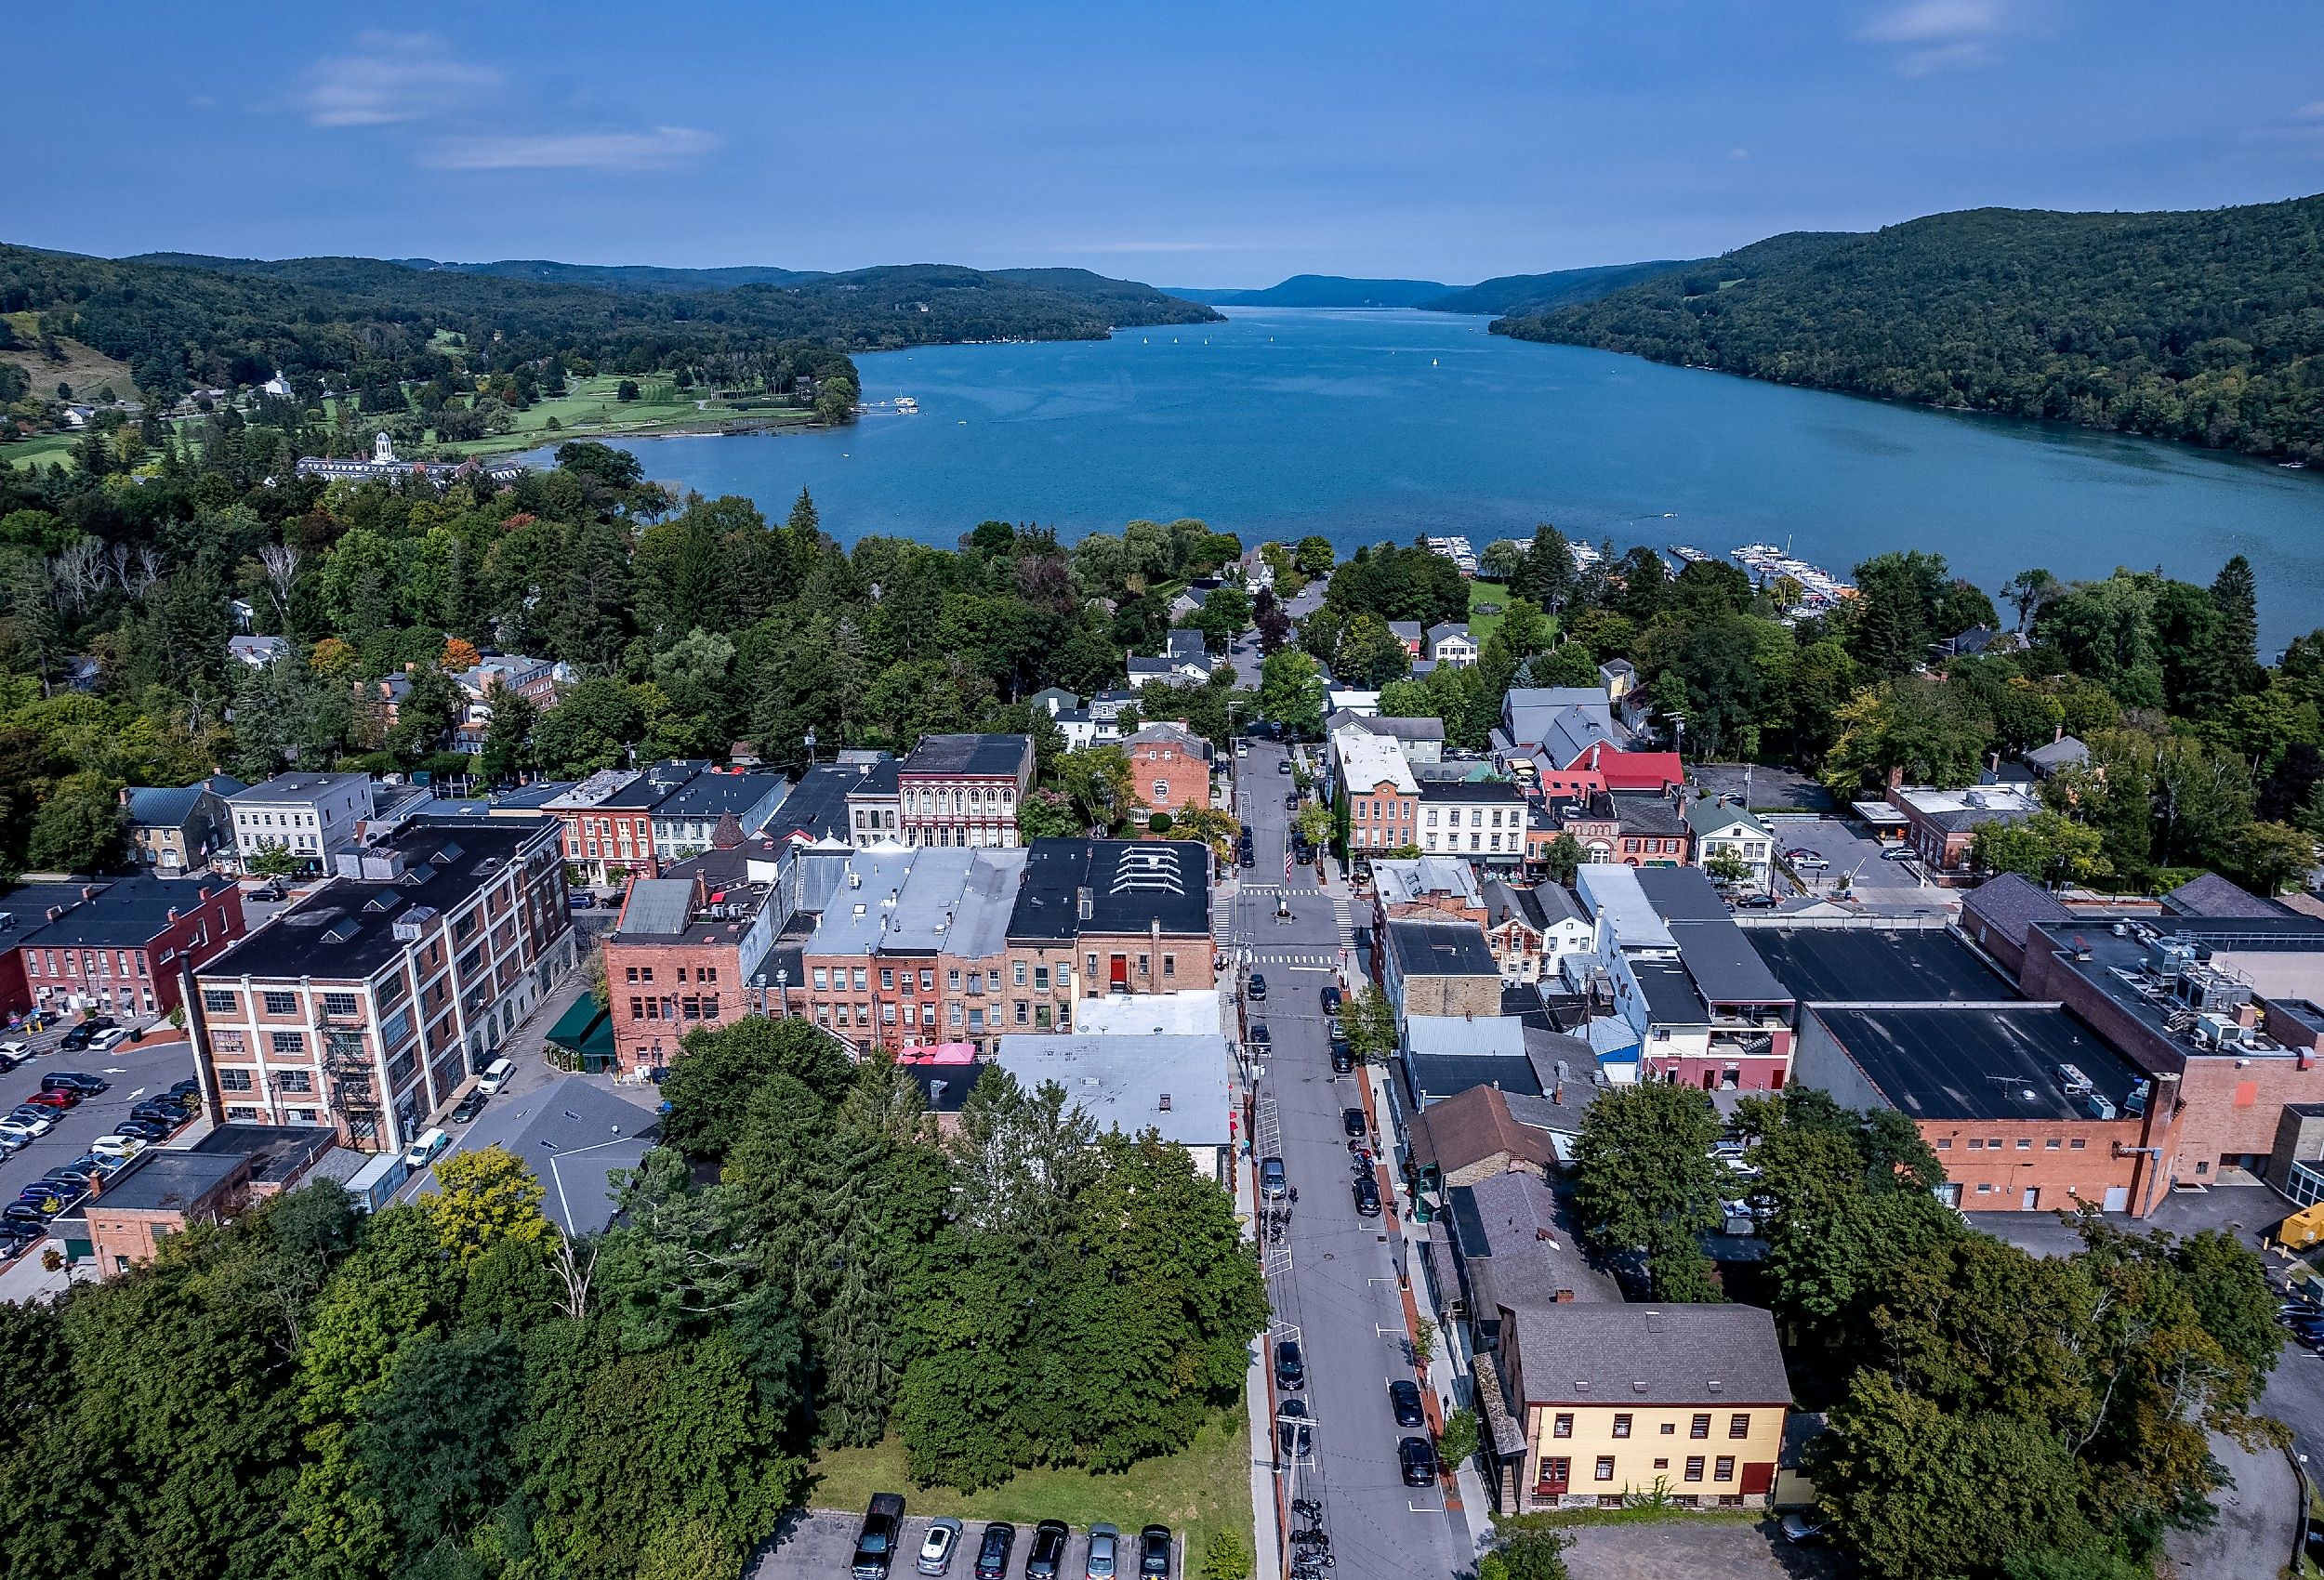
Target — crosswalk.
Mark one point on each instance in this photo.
(1344, 922)
(1311, 958)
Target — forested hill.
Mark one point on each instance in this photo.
(1538, 293)
(605, 276)
(2200, 326)
(181, 320)
(1336, 291)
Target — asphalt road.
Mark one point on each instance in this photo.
(1333, 1283)
(818, 1546)
(1849, 852)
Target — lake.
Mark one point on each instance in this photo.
(1364, 425)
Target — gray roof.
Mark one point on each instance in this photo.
(1605, 1354)
(1717, 955)
(712, 795)
(967, 754)
(657, 907)
(1401, 880)
(579, 1140)
(1564, 720)
(163, 807)
(125, 913)
(1426, 948)
(276, 1151)
(1432, 1078)
(1494, 1035)
(2211, 895)
(1941, 1062)
(160, 1180)
(2011, 903)
(955, 900)
(1122, 1082)
(1409, 629)
(532, 798)
(1516, 1248)
(306, 789)
(2063, 752)
(1541, 906)
(1708, 814)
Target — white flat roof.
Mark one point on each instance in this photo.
(1612, 893)
(1123, 1083)
(1191, 1012)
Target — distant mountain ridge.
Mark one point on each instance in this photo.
(2204, 326)
(1506, 294)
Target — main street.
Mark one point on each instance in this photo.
(1333, 1281)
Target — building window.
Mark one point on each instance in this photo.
(340, 1004)
(1561, 1426)
(226, 1042)
(888, 978)
(1024, 1011)
(1605, 1468)
(1621, 1426)
(1017, 973)
(1700, 1427)
(282, 1003)
(1040, 978)
(820, 983)
(234, 1080)
(1740, 1424)
(1694, 1467)
(1723, 1469)
(217, 1000)
(294, 1081)
(2076, 1145)
(637, 1010)
(1170, 964)
(290, 1042)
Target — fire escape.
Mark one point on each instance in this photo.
(354, 1097)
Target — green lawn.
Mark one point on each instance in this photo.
(1193, 1493)
(589, 409)
(1484, 625)
(44, 448)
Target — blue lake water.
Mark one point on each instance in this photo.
(1364, 425)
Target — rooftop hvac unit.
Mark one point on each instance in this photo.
(2170, 956)
(2099, 1107)
(2071, 1079)
(2220, 1031)
(2207, 989)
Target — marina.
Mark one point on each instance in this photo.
(1821, 591)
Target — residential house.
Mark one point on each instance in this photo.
(1172, 767)
(180, 830)
(314, 817)
(1482, 820)
(1723, 828)
(964, 790)
(259, 652)
(1532, 931)
(1420, 740)
(2062, 752)
(687, 820)
(1452, 646)
(1616, 1401)
(120, 949)
(1378, 797)
(1410, 633)
(1477, 1135)
(366, 1005)
(1569, 735)
(1185, 661)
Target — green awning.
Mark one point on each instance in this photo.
(585, 1031)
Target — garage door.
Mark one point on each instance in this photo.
(2118, 1199)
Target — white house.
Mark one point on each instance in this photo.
(1451, 646)
(1723, 827)
(313, 816)
(257, 651)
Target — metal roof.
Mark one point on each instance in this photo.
(1124, 1083)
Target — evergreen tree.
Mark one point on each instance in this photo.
(2235, 593)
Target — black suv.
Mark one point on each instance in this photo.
(73, 1081)
(1403, 1398)
(1366, 1195)
(993, 1548)
(875, 1541)
(1417, 1459)
(1154, 1553)
(1290, 1366)
(1046, 1561)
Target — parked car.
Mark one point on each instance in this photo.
(18, 1212)
(1047, 1559)
(581, 900)
(1258, 989)
(1154, 1553)
(1802, 1527)
(1899, 853)
(1366, 1195)
(1290, 1366)
(1245, 858)
(64, 1097)
(144, 1129)
(26, 1128)
(189, 1089)
(1351, 1120)
(1331, 998)
(1758, 902)
(1808, 861)
(78, 1037)
(159, 1114)
(938, 1546)
(1259, 1035)
(469, 1107)
(1272, 1181)
(73, 1079)
(13, 1054)
(1342, 1056)
(109, 1038)
(1403, 1398)
(423, 1151)
(1291, 802)
(992, 1551)
(1292, 1430)
(117, 1146)
(1417, 1459)
(1105, 1542)
(1283, 765)
(876, 1538)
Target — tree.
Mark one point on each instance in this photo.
(1314, 822)
(2235, 594)
(1524, 1552)
(1273, 624)
(1227, 1556)
(1725, 866)
(458, 656)
(82, 828)
(1458, 1443)
(1101, 783)
(1562, 860)
(509, 737)
(2267, 857)
(272, 858)
(2046, 847)
(1370, 1021)
(1292, 692)
(1503, 561)
(626, 391)
(717, 1072)
(1048, 814)
(1644, 1179)
(484, 1198)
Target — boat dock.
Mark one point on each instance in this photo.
(1821, 591)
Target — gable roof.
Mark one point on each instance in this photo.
(1472, 1127)
(1708, 814)
(2211, 895)
(2011, 903)
(579, 1140)
(1593, 1353)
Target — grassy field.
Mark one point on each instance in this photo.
(1484, 625)
(588, 409)
(87, 369)
(44, 448)
(1194, 1493)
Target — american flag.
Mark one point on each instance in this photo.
(1287, 863)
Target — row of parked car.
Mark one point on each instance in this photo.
(24, 1222)
(100, 1034)
(1108, 1556)
(1415, 1456)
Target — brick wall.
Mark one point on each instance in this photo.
(1170, 778)
(658, 992)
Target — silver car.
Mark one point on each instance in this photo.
(937, 1548)
(1104, 1545)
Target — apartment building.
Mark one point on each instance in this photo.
(366, 1005)
(963, 791)
(1380, 799)
(911, 948)
(1478, 820)
(609, 819)
(1614, 1400)
(121, 949)
(1703, 1005)
(181, 829)
(312, 816)
(1722, 829)
(1095, 917)
(686, 822)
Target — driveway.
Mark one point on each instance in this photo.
(1850, 855)
(1678, 1548)
(818, 1544)
(2258, 1519)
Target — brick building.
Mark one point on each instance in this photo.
(121, 948)
(1379, 800)
(180, 829)
(1172, 765)
(911, 948)
(1101, 917)
(367, 1005)
(164, 1191)
(1439, 965)
(688, 949)
(609, 819)
(964, 790)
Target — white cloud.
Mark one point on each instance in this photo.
(1939, 36)
(2310, 111)
(390, 78)
(657, 150)
(1739, 153)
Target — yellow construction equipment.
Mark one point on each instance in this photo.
(2301, 1229)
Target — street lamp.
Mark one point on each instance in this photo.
(783, 990)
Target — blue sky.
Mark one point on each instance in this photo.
(1188, 143)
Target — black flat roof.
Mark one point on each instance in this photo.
(127, 913)
(1937, 1062)
(966, 754)
(1433, 1077)
(1425, 948)
(1854, 966)
(1131, 884)
(346, 929)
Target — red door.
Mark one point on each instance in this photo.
(1555, 1476)
(1121, 972)
(1758, 1480)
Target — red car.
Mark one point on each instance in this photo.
(57, 1100)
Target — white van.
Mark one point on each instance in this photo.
(423, 1151)
(496, 1076)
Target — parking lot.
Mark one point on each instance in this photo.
(817, 1546)
(1851, 855)
(137, 1070)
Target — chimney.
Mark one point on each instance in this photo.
(1165, 1102)
(89, 891)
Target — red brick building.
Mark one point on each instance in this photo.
(119, 948)
(688, 951)
(1172, 765)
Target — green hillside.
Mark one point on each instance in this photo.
(2201, 326)
(1538, 293)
